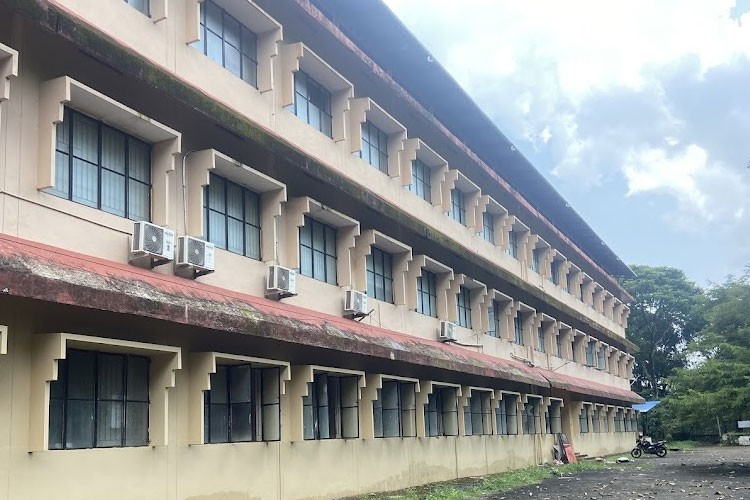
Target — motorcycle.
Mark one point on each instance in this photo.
(658, 448)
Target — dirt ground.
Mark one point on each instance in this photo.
(716, 473)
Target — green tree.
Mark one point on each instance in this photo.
(719, 383)
(663, 319)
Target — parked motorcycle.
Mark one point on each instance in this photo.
(658, 448)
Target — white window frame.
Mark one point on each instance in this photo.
(55, 95)
(49, 348)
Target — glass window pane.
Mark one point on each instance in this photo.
(138, 370)
(213, 16)
(85, 176)
(218, 392)
(232, 59)
(306, 261)
(85, 138)
(80, 365)
(139, 160)
(62, 173)
(216, 200)
(217, 229)
(240, 383)
(113, 150)
(252, 242)
(252, 208)
(136, 424)
(214, 47)
(109, 424)
(113, 193)
(235, 236)
(249, 71)
(231, 30)
(319, 266)
(242, 429)
(110, 376)
(219, 423)
(331, 270)
(56, 423)
(234, 201)
(79, 424)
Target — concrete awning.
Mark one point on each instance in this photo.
(41, 272)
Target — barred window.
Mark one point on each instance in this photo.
(228, 42)
(394, 410)
(540, 338)
(427, 294)
(317, 250)
(458, 206)
(505, 415)
(513, 244)
(518, 329)
(242, 405)
(374, 147)
(99, 400)
(232, 217)
(477, 414)
(488, 227)
(421, 184)
(312, 103)
(380, 275)
(140, 5)
(441, 412)
(493, 319)
(463, 303)
(554, 274)
(583, 419)
(101, 167)
(531, 420)
(331, 407)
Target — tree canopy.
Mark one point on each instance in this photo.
(664, 318)
(718, 385)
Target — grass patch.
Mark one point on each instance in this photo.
(471, 488)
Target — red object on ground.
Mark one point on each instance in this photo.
(569, 453)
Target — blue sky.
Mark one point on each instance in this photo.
(638, 112)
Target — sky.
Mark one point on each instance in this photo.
(638, 112)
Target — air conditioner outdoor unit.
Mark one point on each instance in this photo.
(282, 282)
(152, 245)
(195, 257)
(447, 331)
(355, 304)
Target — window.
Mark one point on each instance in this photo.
(513, 244)
(633, 422)
(232, 217)
(628, 423)
(99, 400)
(505, 415)
(605, 420)
(518, 329)
(242, 405)
(427, 294)
(140, 5)
(595, 423)
(488, 227)
(227, 42)
(589, 354)
(493, 319)
(101, 167)
(441, 412)
(463, 303)
(380, 275)
(477, 414)
(458, 206)
(574, 351)
(554, 273)
(583, 419)
(531, 421)
(317, 250)
(331, 408)
(394, 411)
(558, 345)
(312, 103)
(569, 282)
(540, 338)
(374, 147)
(554, 418)
(620, 421)
(420, 180)
(600, 355)
(535, 260)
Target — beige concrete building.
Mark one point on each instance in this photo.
(269, 249)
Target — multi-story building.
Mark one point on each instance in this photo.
(397, 295)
